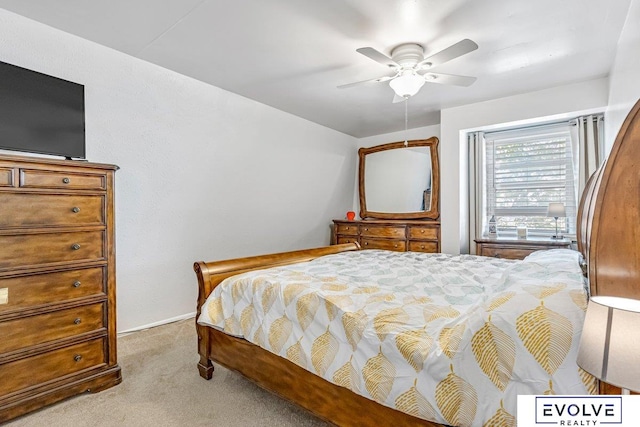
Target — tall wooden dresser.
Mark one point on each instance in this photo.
(57, 281)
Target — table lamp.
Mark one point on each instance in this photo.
(610, 343)
(556, 210)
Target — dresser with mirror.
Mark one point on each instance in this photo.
(399, 191)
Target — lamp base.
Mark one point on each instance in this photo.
(557, 236)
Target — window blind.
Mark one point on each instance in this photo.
(526, 169)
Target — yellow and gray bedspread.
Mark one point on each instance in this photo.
(451, 339)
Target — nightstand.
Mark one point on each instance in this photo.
(512, 248)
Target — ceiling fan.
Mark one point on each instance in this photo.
(411, 69)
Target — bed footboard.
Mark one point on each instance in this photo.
(210, 274)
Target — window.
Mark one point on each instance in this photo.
(522, 171)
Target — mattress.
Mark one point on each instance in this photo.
(448, 338)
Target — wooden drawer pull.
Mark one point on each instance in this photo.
(366, 243)
(75, 246)
(75, 209)
(77, 357)
(422, 231)
(77, 321)
(395, 245)
(77, 284)
(66, 180)
(421, 246)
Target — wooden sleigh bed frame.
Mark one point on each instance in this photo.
(609, 229)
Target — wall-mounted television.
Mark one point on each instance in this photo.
(41, 113)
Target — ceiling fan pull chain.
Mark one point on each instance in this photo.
(406, 120)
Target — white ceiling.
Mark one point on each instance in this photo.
(291, 54)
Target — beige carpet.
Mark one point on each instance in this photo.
(161, 387)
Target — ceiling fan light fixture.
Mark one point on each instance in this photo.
(406, 85)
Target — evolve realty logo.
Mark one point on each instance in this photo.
(578, 410)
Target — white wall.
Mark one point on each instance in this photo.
(554, 103)
(205, 174)
(624, 86)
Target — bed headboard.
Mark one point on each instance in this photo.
(609, 217)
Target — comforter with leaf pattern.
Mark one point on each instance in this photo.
(451, 339)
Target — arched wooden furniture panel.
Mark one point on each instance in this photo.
(609, 218)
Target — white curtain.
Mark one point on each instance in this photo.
(477, 197)
(587, 147)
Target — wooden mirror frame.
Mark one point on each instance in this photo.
(434, 211)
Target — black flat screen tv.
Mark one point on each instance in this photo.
(41, 113)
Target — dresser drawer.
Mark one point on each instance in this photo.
(427, 233)
(28, 331)
(29, 250)
(390, 245)
(346, 239)
(6, 177)
(50, 288)
(430, 247)
(55, 179)
(506, 252)
(382, 231)
(34, 370)
(348, 229)
(28, 210)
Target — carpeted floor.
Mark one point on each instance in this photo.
(161, 387)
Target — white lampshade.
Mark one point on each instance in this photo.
(556, 210)
(408, 84)
(610, 343)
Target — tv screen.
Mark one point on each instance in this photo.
(40, 113)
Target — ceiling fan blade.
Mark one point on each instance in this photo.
(449, 79)
(397, 98)
(454, 51)
(377, 56)
(377, 80)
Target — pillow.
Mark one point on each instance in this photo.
(561, 260)
(566, 260)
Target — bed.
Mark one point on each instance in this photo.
(606, 240)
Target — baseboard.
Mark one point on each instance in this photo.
(159, 323)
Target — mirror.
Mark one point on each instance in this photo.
(400, 181)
